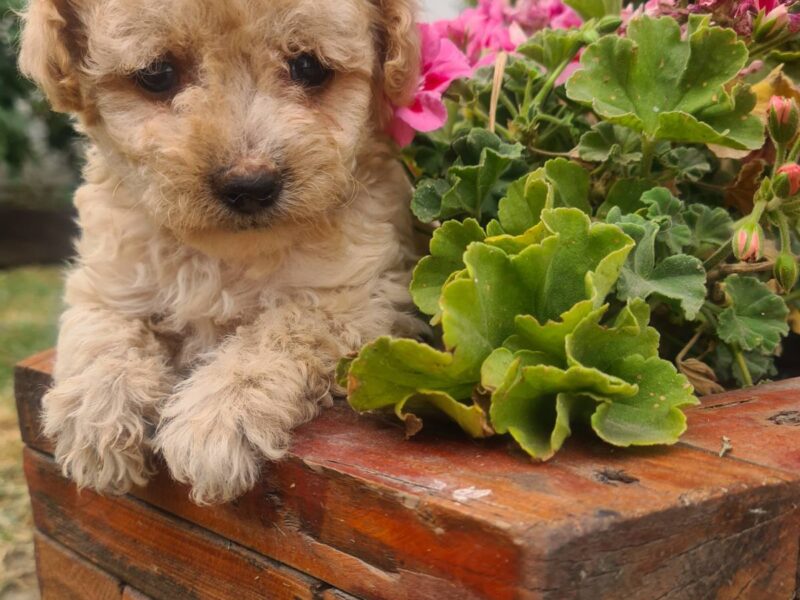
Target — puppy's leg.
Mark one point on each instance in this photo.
(241, 406)
(111, 374)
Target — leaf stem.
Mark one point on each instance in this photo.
(720, 256)
(741, 361)
(786, 234)
(698, 334)
(648, 152)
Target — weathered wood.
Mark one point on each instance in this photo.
(131, 594)
(762, 425)
(357, 506)
(159, 555)
(63, 575)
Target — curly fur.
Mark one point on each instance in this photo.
(193, 330)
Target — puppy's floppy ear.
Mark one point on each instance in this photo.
(53, 44)
(399, 46)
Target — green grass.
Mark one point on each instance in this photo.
(30, 302)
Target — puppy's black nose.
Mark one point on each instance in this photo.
(248, 191)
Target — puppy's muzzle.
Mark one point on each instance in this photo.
(247, 190)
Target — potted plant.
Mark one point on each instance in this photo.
(615, 202)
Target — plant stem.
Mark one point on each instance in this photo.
(741, 361)
(780, 158)
(648, 149)
(698, 334)
(720, 256)
(794, 152)
(786, 234)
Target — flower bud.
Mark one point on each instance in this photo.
(769, 25)
(783, 119)
(792, 172)
(748, 242)
(781, 186)
(786, 271)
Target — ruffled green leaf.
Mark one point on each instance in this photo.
(447, 248)
(571, 184)
(755, 318)
(601, 347)
(534, 403)
(651, 416)
(670, 88)
(522, 207)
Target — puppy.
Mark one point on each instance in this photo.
(244, 224)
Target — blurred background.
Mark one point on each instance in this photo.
(39, 169)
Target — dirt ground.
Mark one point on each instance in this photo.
(29, 308)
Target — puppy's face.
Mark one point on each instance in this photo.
(226, 116)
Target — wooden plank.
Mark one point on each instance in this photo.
(63, 575)
(131, 594)
(32, 377)
(762, 424)
(159, 555)
(362, 509)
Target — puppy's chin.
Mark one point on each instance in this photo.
(256, 247)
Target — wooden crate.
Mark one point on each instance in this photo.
(357, 511)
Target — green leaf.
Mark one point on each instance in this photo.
(534, 403)
(681, 277)
(688, 164)
(607, 141)
(626, 195)
(389, 371)
(761, 366)
(471, 418)
(667, 212)
(670, 88)
(601, 347)
(710, 228)
(550, 338)
(595, 9)
(473, 184)
(652, 415)
(756, 318)
(427, 201)
(479, 310)
(447, 248)
(496, 367)
(522, 207)
(552, 47)
(571, 183)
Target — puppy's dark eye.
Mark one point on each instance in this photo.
(308, 71)
(161, 77)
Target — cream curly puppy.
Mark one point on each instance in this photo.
(244, 220)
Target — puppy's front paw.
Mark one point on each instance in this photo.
(218, 427)
(212, 455)
(101, 417)
(100, 440)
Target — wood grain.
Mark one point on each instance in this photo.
(131, 594)
(358, 507)
(159, 555)
(63, 575)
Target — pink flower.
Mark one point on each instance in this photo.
(792, 171)
(495, 26)
(747, 242)
(442, 64)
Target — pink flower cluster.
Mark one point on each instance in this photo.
(497, 26)
(454, 49)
